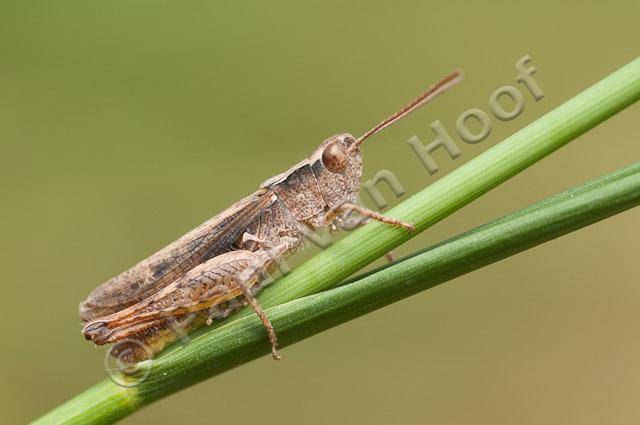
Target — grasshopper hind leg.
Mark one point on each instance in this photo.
(268, 257)
(220, 312)
(219, 284)
(246, 279)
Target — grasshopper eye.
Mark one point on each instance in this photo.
(335, 157)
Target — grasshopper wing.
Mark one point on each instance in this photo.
(212, 238)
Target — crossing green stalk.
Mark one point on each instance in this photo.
(241, 339)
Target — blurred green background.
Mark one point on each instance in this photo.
(125, 124)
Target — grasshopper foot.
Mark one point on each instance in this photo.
(410, 227)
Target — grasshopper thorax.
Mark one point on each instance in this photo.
(330, 176)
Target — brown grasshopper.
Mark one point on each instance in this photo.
(216, 268)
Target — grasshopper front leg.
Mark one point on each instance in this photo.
(348, 207)
(344, 208)
(214, 282)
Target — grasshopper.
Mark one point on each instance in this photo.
(216, 268)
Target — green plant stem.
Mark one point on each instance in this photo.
(238, 341)
(242, 340)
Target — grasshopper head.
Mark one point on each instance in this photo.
(340, 154)
(338, 168)
(337, 153)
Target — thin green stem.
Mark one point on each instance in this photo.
(242, 339)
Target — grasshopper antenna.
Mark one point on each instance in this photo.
(438, 88)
